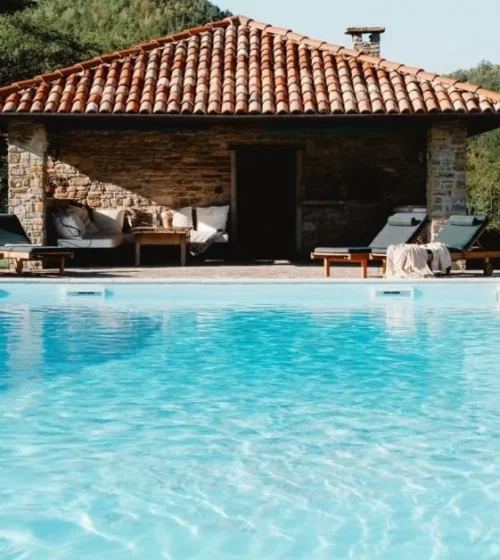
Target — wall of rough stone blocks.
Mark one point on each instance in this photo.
(28, 178)
(350, 182)
(446, 173)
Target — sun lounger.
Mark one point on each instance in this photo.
(400, 228)
(461, 236)
(15, 245)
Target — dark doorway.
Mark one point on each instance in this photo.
(266, 202)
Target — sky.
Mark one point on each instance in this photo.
(437, 35)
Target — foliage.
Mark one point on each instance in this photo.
(107, 25)
(483, 154)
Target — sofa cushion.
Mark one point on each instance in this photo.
(83, 214)
(68, 225)
(201, 236)
(109, 220)
(97, 241)
(212, 218)
(183, 218)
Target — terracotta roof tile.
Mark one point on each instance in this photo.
(240, 66)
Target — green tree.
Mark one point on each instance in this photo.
(483, 153)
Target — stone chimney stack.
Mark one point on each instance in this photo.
(368, 44)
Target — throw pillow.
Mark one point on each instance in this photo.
(109, 221)
(183, 218)
(213, 218)
(83, 214)
(68, 225)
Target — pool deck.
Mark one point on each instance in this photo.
(279, 270)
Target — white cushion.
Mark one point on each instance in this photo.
(183, 218)
(98, 241)
(83, 214)
(201, 237)
(109, 221)
(68, 225)
(212, 218)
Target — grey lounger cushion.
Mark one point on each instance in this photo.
(11, 231)
(400, 228)
(31, 250)
(461, 232)
(13, 239)
(342, 250)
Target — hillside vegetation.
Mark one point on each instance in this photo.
(46, 34)
(483, 155)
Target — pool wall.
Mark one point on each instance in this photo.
(445, 291)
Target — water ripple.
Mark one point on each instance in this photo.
(243, 433)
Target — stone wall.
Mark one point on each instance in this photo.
(446, 173)
(28, 178)
(350, 180)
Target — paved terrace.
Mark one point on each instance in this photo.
(279, 270)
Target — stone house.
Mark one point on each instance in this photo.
(310, 143)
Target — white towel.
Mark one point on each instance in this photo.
(407, 261)
(441, 258)
(412, 261)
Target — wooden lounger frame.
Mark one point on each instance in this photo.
(357, 258)
(20, 258)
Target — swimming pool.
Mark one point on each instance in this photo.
(258, 420)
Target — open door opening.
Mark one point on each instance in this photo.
(266, 208)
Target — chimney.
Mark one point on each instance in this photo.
(360, 41)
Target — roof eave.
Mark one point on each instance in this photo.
(476, 122)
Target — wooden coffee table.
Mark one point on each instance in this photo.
(160, 236)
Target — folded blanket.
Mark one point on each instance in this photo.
(407, 261)
(441, 258)
(412, 261)
(204, 240)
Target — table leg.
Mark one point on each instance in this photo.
(137, 253)
(183, 250)
(61, 266)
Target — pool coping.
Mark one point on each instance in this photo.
(251, 281)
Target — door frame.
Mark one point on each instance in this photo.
(299, 150)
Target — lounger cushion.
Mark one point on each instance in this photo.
(400, 228)
(11, 230)
(31, 250)
(460, 237)
(342, 250)
(403, 220)
(466, 220)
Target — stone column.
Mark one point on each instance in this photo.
(446, 174)
(28, 177)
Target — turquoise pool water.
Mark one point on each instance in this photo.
(210, 432)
